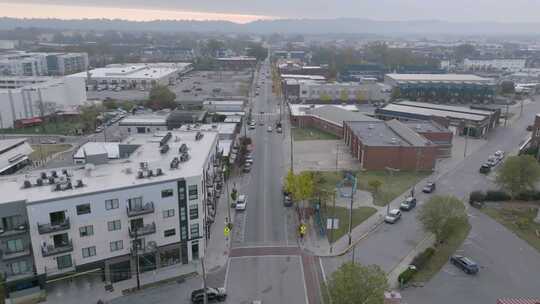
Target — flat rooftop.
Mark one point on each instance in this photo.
(8, 143)
(456, 109)
(404, 109)
(144, 120)
(140, 71)
(221, 128)
(121, 173)
(439, 78)
(387, 134)
(302, 109)
(95, 148)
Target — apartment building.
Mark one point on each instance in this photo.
(366, 90)
(499, 64)
(21, 63)
(151, 202)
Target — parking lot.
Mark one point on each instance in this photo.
(197, 85)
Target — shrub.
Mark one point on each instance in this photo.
(523, 223)
(477, 196)
(422, 258)
(406, 275)
(529, 195)
(496, 196)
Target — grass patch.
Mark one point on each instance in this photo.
(60, 128)
(311, 134)
(520, 220)
(392, 186)
(358, 216)
(44, 151)
(442, 254)
(325, 295)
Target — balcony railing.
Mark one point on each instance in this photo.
(54, 227)
(22, 228)
(48, 250)
(144, 230)
(8, 254)
(10, 276)
(145, 209)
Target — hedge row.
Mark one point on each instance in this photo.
(418, 262)
(406, 275)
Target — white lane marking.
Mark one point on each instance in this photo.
(264, 256)
(264, 186)
(227, 273)
(285, 229)
(303, 279)
(322, 271)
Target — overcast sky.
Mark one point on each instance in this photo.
(247, 10)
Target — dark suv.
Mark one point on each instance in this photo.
(408, 204)
(212, 294)
(465, 263)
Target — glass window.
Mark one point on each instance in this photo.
(182, 213)
(64, 261)
(86, 230)
(168, 213)
(183, 233)
(181, 193)
(194, 229)
(111, 204)
(15, 245)
(169, 232)
(193, 194)
(83, 209)
(117, 245)
(193, 212)
(114, 225)
(89, 252)
(167, 193)
(135, 202)
(19, 267)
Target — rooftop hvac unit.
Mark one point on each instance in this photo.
(164, 149)
(175, 163)
(79, 183)
(27, 184)
(39, 182)
(199, 136)
(65, 172)
(184, 157)
(183, 148)
(140, 174)
(43, 175)
(159, 172)
(54, 174)
(150, 173)
(51, 180)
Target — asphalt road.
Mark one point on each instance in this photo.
(388, 245)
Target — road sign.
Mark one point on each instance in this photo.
(303, 229)
(226, 231)
(332, 223)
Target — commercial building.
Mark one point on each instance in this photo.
(292, 68)
(442, 88)
(460, 120)
(366, 90)
(327, 118)
(217, 106)
(389, 144)
(14, 154)
(134, 75)
(236, 63)
(153, 202)
(31, 97)
(20, 63)
(500, 64)
(143, 124)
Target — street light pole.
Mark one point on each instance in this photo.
(205, 298)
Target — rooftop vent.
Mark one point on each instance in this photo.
(140, 174)
(51, 180)
(54, 174)
(27, 184)
(43, 175)
(159, 172)
(184, 157)
(175, 163)
(143, 165)
(371, 126)
(199, 136)
(39, 182)
(393, 140)
(65, 172)
(79, 183)
(183, 148)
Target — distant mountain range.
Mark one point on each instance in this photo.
(302, 26)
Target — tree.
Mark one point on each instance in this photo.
(88, 117)
(441, 215)
(375, 184)
(300, 186)
(356, 284)
(344, 95)
(518, 173)
(463, 51)
(325, 97)
(160, 98)
(257, 51)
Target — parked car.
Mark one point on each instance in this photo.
(247, 168)
(241, 202)
(269, 129)
(287, 200)
(212, 294)
(465, 264)
(499, 154)
(278, 129)
(492, 161)
(429, 187)
(393, 216)
(485, 168)
(408, 204)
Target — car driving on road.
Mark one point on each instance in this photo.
(393, 216)
(464, 263)
(241, 202)
(429, 187)
(212, 294)
(485, 168)
(269, 129)
(408, 204)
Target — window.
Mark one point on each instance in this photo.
(194, 228)
(114, 225)
(86, 230)
(166, 193)
(141, 130)
(183, 233)
(117, 245)
(181, 193)
(193, 194)
(129, 130)
(135, 202)
(89, 252)
(19, 267)
(169, 232)
(83, 209)
(183, 213)
(111, 204)
(15, 245)
(168, 213)
(11, 222)
(193, 212)
(64, 261)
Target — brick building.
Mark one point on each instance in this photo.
(381, 144)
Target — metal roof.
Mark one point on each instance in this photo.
(397, 108)
(445, 108)
(439, 77)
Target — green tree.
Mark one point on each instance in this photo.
(344, 95)
(257, 51)
(356, 284)
(161, 98)
(88, 117)
(325, 97)
(301, 186)
(375, 184)
(441, 215)
(463, 51)
(518, 173)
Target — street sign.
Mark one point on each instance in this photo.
(332, 223)
(226, 231)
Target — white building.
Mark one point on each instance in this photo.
(150, 202)
(14, 154)
(20, 63)
(367, 90)
(134, 75)
(66, 63)
(216, 106)
(144, 123)
(510, 65)
(28, 97)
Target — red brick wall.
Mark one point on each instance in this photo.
(403, 158)
(317, 123)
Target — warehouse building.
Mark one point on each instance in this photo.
(368, 89)
(460, 120)
(441, 88)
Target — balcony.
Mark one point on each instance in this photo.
(54, 227)
(22, 228)
(136, 211)
(48, 250)
(144, 230)
(12, 277)
(8, 254)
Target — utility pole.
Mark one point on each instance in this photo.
(466, 140)
(136, 250)
(506, 115)
(353, 184)
(333, 221)
(205, 298)
(291, 135)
